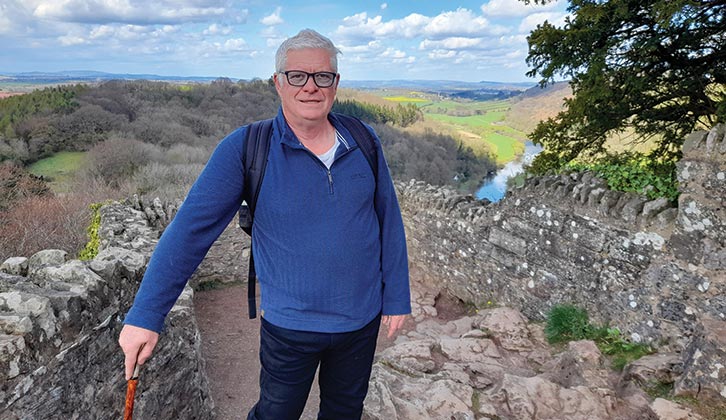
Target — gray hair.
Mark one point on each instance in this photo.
(307, 38)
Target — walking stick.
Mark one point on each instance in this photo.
(130, 392)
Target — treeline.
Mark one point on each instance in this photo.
(400, 115)
(158, 113)
(435, 158)
(139, 131)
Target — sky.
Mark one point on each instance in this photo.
(412, 40)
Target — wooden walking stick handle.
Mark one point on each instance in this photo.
(130, 393)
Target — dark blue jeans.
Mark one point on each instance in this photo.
(289, 359)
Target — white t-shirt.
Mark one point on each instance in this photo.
(328, 157)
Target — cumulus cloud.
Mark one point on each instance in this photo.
(461, 22)
(516, 8)
(273, 19)
(69, 40)
(458, 23)
(453, 43)
(360, 27)
(530, 22)
(216, 29)
(384, 6)
(129, 11)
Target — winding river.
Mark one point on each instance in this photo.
(494, 188)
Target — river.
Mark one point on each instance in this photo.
(494, 188)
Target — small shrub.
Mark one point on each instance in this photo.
(635, 173)
(37, 223)
(168, 182)
(567, 323)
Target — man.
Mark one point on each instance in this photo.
(329, 246)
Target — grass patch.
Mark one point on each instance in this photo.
(570, 323)
(59, 169)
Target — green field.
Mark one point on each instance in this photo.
(479, 125)
(59, 168)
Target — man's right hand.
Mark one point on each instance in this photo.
(137, 344)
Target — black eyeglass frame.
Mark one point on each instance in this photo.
(307, 76)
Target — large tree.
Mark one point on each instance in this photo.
(653, 69)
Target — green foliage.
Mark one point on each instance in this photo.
(90, 251)
(567, 323)
(654, 67)
(570, 323)
(16, 109)
(611, 343)
(635, 173)
(402, 115)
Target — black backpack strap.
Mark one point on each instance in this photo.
(254, 161)
(364, 138)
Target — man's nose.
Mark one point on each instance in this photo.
(310, 84)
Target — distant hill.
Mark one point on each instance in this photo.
(536, 104)
(479, 91)
(86, 76)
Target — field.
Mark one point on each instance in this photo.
(59, 168)
(477, 124)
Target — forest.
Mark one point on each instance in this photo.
(153, 138)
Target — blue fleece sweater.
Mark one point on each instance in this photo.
(327, 258)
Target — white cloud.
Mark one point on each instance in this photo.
(460, 22)
(235, 44)
(457, 23)
(358, 49)
(441, 54)
(69, 40)
(453, 43)
(216, 29)
(360, 27)
(384, 6)
(393, 53)
(128, 11)
(273, 19)
(516, 8)
(530, 22)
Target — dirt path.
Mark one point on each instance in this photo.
(230, 344)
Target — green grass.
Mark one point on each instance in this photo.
(502, 142)
(59, 168)
(570, 323)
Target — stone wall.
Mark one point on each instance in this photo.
(59, 325)
(655, 271)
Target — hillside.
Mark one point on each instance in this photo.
(536, 104)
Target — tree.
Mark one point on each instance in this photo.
(652, 68)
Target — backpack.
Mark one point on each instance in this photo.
(254, 162)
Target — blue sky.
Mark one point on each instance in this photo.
(415, 39)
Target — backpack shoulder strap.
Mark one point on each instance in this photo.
(254, 162)
(364, 138)
(255, 159)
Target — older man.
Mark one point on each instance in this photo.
(329, 246)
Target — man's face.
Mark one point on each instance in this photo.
(309, 103)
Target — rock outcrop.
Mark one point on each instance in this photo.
(496, 365)
(60, 320)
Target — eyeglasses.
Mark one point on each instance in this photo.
(298, 78)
